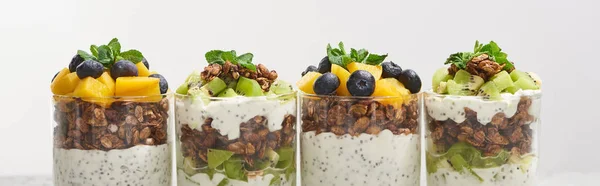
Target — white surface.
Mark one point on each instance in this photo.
(556, 39)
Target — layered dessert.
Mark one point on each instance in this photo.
(235, 124)
(111, 120)
(360, 121)
(482, 121)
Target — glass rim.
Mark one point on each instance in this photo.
(111, 97)
(307, 95)
(538, 94)
(278, 96)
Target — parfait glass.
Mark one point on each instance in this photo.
(474, 141)
(350, 140)
(112, 140)
(236, 141)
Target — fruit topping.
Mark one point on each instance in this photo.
(361, 83)
(212, 88)
(390, 70)
(164, 86)
(142, 70)
(281, 87)
(324, 65)
(411, 80)
(108, 81)
(229, 92)
(307, 82)
(137, 86)
(484, 72)
(358, 73)
(65, 82)
(89, 68)
(248, 87)
(310, 68)
(326, 84)
(75, 61)
(91, 88)
(54, 77)
(123, 68)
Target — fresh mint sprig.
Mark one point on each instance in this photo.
(460, 59)
(220, 57)
(110, 53)
(339, 56)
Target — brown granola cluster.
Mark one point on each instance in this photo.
(481, 66)
(262, 75)
(254, 139)
(355, 117)
(87, 126)
(511, 134)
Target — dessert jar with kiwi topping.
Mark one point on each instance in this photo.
(360, 122)
(235, 125)
(482, 121)
(111, 127)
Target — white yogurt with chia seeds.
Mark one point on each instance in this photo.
(229, 113)
(138, 165)
(383, 159)
(505, 175)
(443, 107)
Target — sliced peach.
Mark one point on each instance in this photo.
(343, 75)
(307, 81)
(375, 70)
(391, 87)
(108, 81)
(64, 84)
(92, 90)
(139, 86)
(142, 70)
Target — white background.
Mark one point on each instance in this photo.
(557, 39)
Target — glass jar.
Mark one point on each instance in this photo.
(236, 141)
(475, 141)
(360, 140)
(112, 140)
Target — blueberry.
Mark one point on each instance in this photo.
(324, 65)
(361, 83)
(410, 80)
(146, 63)
(326, 84)
(75, 61)
(90, 68)
(390, 70)
(311, 68)
(164, 86)
(123, 68)
(55, 76)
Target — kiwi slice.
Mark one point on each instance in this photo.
(212, 88)
(229, 92)
(502, 80)
(281, 87)
(517, 74)
(512, 89)
(536, 79)
(442, 88)
(489, 90)
(469, 84)
(248, 87)
(194, 77)
(441, 75)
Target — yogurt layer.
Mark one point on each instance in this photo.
(507, 174)
(383, 159)
(443, 107)
(139, 165)
(202, 179)
(228, 114)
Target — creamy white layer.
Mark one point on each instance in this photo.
(228, 114)
(383, 159)
(139, 165)
(505, 175)
(202, 179)
(452, 107)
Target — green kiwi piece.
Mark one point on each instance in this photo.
(512, 89)
(441, 75)
(454, 88)
(442, 88)
(229, 92)
(469, 84)
(516, 74)
(526, 83)
(248, 87)
(193, 78)
(281, 87)
(502, 80)
(182, 89)
(489, 90)
(210, 89)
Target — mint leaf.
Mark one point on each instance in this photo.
(375, 59)
(247, 65)
(229, 56)
(85, 55)
(217, 157)
(342, 49)
(105, 56)
(115, 46)
(94, 50)
(234, 168)
(247, 57)
(214, 56)
(335, 56)
(133, 56)
(362, 55)
(285, 153)
(354, 54)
